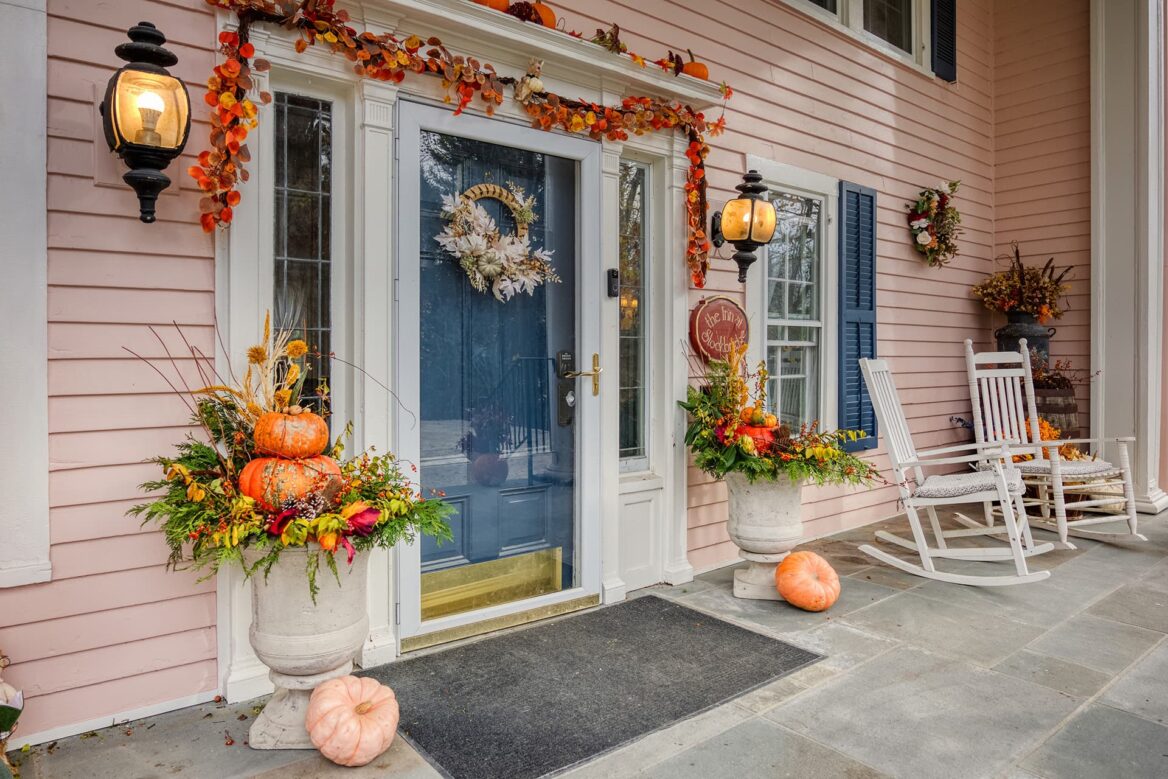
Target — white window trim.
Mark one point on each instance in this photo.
(24, 518)
(849, 20)
(788, 178)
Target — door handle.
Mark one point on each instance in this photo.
(594, 373)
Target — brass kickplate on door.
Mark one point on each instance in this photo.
(498, 623)
(478, 585)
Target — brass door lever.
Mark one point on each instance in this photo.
(594, 373)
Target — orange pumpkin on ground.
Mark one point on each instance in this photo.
(546, 15)
(295, 433)
(807, 581)
(272, 480)
(498, 5)
(695, 68)
(351, 720)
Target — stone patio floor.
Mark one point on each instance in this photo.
(1064, 678)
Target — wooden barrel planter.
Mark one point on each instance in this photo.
(1060, 408)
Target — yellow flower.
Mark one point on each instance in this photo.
(178, 471)
(257, 354)
(195, 492)
(283, 397)
(254, 409)
(296, 349)
(293, 375)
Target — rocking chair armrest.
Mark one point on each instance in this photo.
(995, 454)
(963, 447)
(1101, 439)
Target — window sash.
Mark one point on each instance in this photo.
(850, 15)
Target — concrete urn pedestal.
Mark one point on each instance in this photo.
(766, 523)
(302, 643)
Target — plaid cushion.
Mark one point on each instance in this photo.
(954, 485)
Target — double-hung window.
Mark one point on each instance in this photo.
(923, 31)
(795, 262)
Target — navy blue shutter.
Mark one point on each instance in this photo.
(944, 16)
(857, 308)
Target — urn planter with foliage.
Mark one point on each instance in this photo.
(259, 489)
(764, 465)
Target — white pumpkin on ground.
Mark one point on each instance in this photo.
(352, 720)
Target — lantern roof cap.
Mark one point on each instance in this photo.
(145, 47)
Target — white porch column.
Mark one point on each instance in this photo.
(1127, 237)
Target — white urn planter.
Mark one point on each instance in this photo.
(302, 643)
(766, 523)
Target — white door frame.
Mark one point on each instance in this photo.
(592, 437)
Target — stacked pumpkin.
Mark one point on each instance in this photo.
(763, 428)
(292, 464)
(537, 12)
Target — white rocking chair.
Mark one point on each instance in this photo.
(1000, 483)
(1001, 388)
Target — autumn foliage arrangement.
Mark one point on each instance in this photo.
(730, 430)
(264, 476)
(935, 223)
(1025, 289)
(387, 57)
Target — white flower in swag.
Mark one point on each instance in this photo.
(505, 263)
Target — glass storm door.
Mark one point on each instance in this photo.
(498, 417)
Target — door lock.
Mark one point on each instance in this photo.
(594, 373)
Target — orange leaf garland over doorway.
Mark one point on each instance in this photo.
(389, 58)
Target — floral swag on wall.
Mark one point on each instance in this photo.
(387, 57)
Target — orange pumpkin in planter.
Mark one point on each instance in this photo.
(272, 480)
(498, 5)
(351, 720)
(294, 433)
(695, 68)
(807, 581)
(763, 437)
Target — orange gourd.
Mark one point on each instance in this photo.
(272, 480)
(546, 15)
(763, 436)
(294, 433)
(807, 581)
(498, 5)
(351, 720)
(695, 68)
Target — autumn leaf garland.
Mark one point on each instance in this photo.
(388, 58)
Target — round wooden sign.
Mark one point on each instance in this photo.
(715, 324)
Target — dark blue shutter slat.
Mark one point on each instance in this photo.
(944, 17)
(857, 309)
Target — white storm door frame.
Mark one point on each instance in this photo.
(593, 438)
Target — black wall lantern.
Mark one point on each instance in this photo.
(747, 221)
(146, 114)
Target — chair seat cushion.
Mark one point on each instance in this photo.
(955, 485)
(1068, 468)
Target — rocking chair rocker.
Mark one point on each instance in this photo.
(1000, 483)
(1001, 388)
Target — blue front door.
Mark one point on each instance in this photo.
(496, 422)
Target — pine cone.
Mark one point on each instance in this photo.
(525, 12)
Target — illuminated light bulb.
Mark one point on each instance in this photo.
(150, 108)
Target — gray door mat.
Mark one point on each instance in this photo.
(535, 701)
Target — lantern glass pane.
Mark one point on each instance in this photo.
(762, 227)
(736, 219)
(150, 109)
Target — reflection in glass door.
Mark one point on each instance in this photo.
(497, 421)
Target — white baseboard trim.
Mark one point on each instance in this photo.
(1152, 503)
(19, 739)
(613, 591)
(678, 573)
(246, 681)
(380, 648)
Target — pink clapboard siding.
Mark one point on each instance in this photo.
(1042, 128)
(114, 630)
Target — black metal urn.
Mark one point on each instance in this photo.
(1021, 325)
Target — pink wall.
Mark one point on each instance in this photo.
(1042, 124)
(113, 630)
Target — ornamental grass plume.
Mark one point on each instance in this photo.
(1024, 289)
